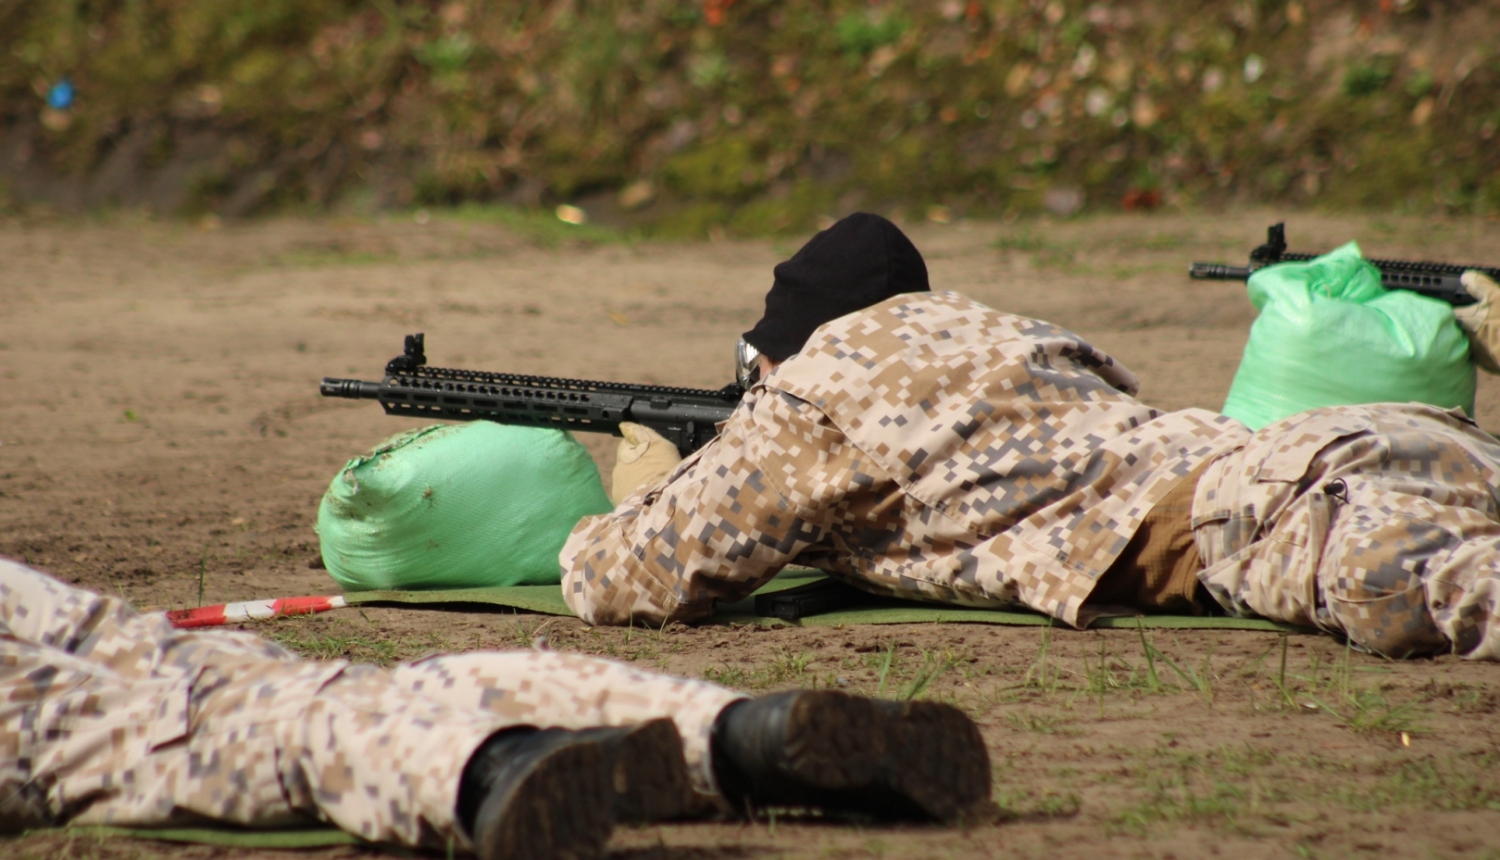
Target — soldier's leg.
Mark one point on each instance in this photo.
(227, 725)
(1405, 573)
(806, 748)
(108, 632)
(257, 744)
(344, 743)
(1388, 533)
(546, 688)
(47, 775)
(118, 718)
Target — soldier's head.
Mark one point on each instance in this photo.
(858, 262)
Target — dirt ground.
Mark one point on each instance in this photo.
(161, 437)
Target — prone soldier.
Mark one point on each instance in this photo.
(110, 716)
(921, 445)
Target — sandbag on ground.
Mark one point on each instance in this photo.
(458, 506)
(1329, 334)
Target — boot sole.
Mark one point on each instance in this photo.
(906, 759)
(650, 776)
(561, 809)
(938, 759)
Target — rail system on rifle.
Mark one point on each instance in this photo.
(1435, 280)
(687, 417)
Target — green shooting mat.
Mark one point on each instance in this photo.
(227, 836)
(547, 599)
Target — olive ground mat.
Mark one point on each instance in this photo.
(314, 836)
(863, 609)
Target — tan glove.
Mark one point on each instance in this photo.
(643, 460)
(1480, 321)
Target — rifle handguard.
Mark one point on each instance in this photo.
(1434, 280)
(686, 416)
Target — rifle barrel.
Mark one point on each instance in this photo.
(1217, 272)
(354, 389)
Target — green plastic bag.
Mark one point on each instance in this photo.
(1329, 334)
(458, 506)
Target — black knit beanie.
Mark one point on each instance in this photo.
(858, 262)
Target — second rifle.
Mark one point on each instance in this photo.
(1435, 280)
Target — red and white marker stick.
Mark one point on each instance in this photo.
(252, 610)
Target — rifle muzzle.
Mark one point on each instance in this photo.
(1218, 272)
(354, 389)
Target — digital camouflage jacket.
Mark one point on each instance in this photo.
(927, 447)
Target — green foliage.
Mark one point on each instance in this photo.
(725, 168)
(541, 228)
(1456, 784)
(1385, 170)
(1367, 77)
(1041, 723)
(786, 668)
(979, 107)
(1418, 83)
(446, 55)
(326, 637)
(796, 211)
(708, 69)
(1025, 804)
(863, 31)
(693, 221)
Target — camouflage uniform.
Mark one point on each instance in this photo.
(108, 716)
(926, 447)
(1379, 522)
(931, 448)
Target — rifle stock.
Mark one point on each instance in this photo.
(687, 417)
(1434, 280)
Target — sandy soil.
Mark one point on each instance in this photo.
(162, 435)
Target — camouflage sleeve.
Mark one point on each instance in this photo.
(721, 525)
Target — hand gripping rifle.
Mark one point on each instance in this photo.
(1435, 280)
(685, 416)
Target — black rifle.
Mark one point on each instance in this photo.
(815, 598)
(1435, 280)
(685, 416)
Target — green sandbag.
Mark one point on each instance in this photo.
(1329, 334)
(458, 506)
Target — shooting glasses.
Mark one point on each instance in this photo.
(746, 364)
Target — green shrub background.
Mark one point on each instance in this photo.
(752, 115)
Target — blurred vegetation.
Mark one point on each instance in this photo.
(752, 116)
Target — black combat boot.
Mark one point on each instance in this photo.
(828, 750)
(554, 793)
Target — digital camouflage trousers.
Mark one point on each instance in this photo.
(1376, 522)
(109, 716)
